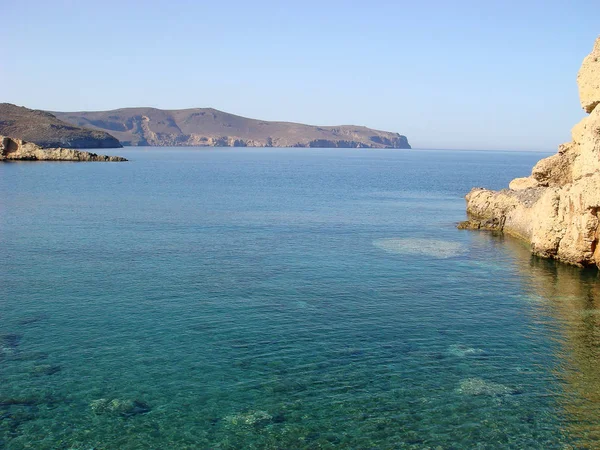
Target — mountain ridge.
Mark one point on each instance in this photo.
(211, 127)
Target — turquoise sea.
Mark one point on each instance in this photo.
(284, 299)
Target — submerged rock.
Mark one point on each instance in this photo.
(433, 248)
(462, 350)
(251, 418)
(125, 408)
(18, 401)
(10, 340)
(18, 150)
(9, 344)
(13, 416)
(557, 208)
(477, 386)
(45, 369)
(33, 356)
(28, 320)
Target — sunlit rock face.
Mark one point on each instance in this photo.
(556, 208)
(18, 150)
(588, 80)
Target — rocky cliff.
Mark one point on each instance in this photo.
(18, 150)
(209, 127)
(557, 208)
(45, 130)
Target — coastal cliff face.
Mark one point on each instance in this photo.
(18, 150)
(212, 128)
(557, 208)
(45, 130)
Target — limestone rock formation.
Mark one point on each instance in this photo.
(588, 79)
(557, 208)
(209, 127)
(45, 130)
(18, 150)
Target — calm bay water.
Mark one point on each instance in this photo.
(259, 298)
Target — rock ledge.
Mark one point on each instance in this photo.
(556, 208)
(18, 150)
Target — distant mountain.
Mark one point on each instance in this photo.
(45, 130)
(209, 127)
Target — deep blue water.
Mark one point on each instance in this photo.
(260, 298)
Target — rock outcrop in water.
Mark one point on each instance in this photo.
(209, 127)
(17, 150)
(557, 208)
(118, 407)
(45, 130)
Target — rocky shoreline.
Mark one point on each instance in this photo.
(557, 208)
(12, 149)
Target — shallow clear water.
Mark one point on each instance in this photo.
(260, 298)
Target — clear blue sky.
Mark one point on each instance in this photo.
(448, 74)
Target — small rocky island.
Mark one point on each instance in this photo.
(12, 149)
(557, 208)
